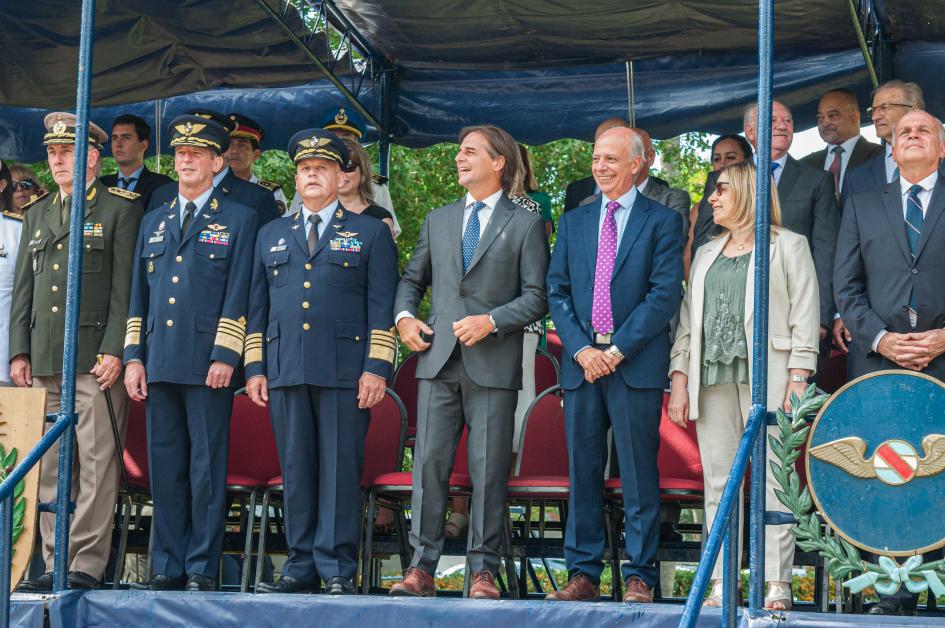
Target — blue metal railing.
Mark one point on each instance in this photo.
(726, 522)
(65, 420)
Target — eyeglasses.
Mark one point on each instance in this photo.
(25, 184)
(720, 187)
(886, 106)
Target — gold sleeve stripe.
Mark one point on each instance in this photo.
(229, 342)
(383, 341)
(253, 355)
(385, 354)
(241, 323)
(252, 348)
(225, 324)
(133, 331)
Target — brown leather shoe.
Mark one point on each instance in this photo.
(483, 586)
(580, 589)
(638, 591)
(416, 583)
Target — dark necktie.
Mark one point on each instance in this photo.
(914, 221)
(834, 167)
(313, 220)
(471, 235)
(64, 209)
(189, 210)
(602, 313)
(126, 182)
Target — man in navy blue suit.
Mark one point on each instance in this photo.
(614, 283)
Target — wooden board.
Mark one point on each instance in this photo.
(22, 421)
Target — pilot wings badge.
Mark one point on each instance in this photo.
(894, 462)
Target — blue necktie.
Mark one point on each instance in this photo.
(914, 221)
(471, 235)
(125, 182)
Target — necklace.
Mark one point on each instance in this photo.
(741, 245)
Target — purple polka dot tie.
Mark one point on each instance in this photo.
(602, 314)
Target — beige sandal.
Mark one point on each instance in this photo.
(457, 525)
(779, 597)
(715, 597)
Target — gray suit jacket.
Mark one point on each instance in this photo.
(863, 150)
(808, 207)
(658, 190)
(506, 279)
(875, 273)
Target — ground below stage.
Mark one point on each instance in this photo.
(208, 610)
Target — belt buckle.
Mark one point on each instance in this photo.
(602, 339)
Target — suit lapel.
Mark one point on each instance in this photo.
(892, 202)
(501, 216)
(203, 216)
(788, 178)
(171, 218)
(335, 224)
(750, 285)
(455, 217)
(298, 232)
(591, 227)
(639, 214)
(932, 215)
(879, 169)
(63, 230)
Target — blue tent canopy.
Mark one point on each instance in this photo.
(544, 70)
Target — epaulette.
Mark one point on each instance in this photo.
(34, 200)
(126, 194)
(379, 179)
(269, 185)
(13, 216)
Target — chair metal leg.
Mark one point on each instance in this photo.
(401, 521)
(248, 545)
(263, 533)
(149, 565)
(510, 572)
(368, 553)
(124, 515)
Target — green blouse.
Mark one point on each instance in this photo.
(725, 348)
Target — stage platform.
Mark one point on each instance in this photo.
(209, 610)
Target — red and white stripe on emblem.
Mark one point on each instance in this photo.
(895, 462)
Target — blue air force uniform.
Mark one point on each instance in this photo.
(189, 301)
(319, 321)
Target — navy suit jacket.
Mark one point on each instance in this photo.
(869, 175)
(645, 290)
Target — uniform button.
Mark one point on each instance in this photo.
(59, 246)
(55, 266)
(212, 256)
(175, 279)
(88, 247)
(305, 305)
(307, 284)
(55, 288)
(346, 264)
(55, 309)
(172, 300)
(170, 323)
(308, 266)
(275, 272)
(179, 258)
(357, 338)
(306, 326)
(915, 272)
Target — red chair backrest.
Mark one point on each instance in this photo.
(136, 446)
(544, 449)
(679, 449)
(546, 372)
(253, 450)
(461, 461)
(384, 445)
(553, 342)
(405, 385)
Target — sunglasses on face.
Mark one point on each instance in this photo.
(25, 184)
(720, 187)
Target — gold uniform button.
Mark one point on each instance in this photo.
(55, 266)
(59, 246)
(346, 264)
(175, 279)
(55, 288)
(212, 256)
(88, 247)
(275, 272)
(172, 300)
(305, 305)
(357, 338)
(170, 323)
(306, 326)
(307, 284)
(179, 258)
(55, 309)
(308, 266)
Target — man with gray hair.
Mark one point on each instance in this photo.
(581, 191)
(628, 249)
(808, 201)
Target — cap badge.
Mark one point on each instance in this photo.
(341, 117)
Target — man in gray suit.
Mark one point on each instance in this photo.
(808, 202)
(657, 189)
(890, 288)
(486, 289)
(838, 123)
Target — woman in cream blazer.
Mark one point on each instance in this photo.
(793, 336)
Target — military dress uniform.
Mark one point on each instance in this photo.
(11, 224)
(319, 321)
(188, 309)
(38, 313)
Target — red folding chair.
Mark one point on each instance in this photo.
(553, 343)
(546, 371)
(404, 383)
(135, 457)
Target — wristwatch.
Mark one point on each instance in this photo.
(798, 379)
(495, 328)
(614, 351)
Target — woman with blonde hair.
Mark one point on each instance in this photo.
(711, 359)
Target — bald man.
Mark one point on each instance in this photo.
(581, 191)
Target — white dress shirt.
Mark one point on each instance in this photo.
(890, 164)
(777, 171)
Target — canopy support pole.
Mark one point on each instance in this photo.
(862, 41)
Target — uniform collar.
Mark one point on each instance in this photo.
(324, 213)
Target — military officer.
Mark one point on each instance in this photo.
(232, 187)
(109, 229)
(244, 151)
(183, 345)
(319, 348)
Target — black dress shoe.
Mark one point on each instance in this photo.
(39, 584)
(286, 584)
(82, 580)
(159, 582)
(196, 582)
(669, 533)
(339, 585)
(886, 607)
